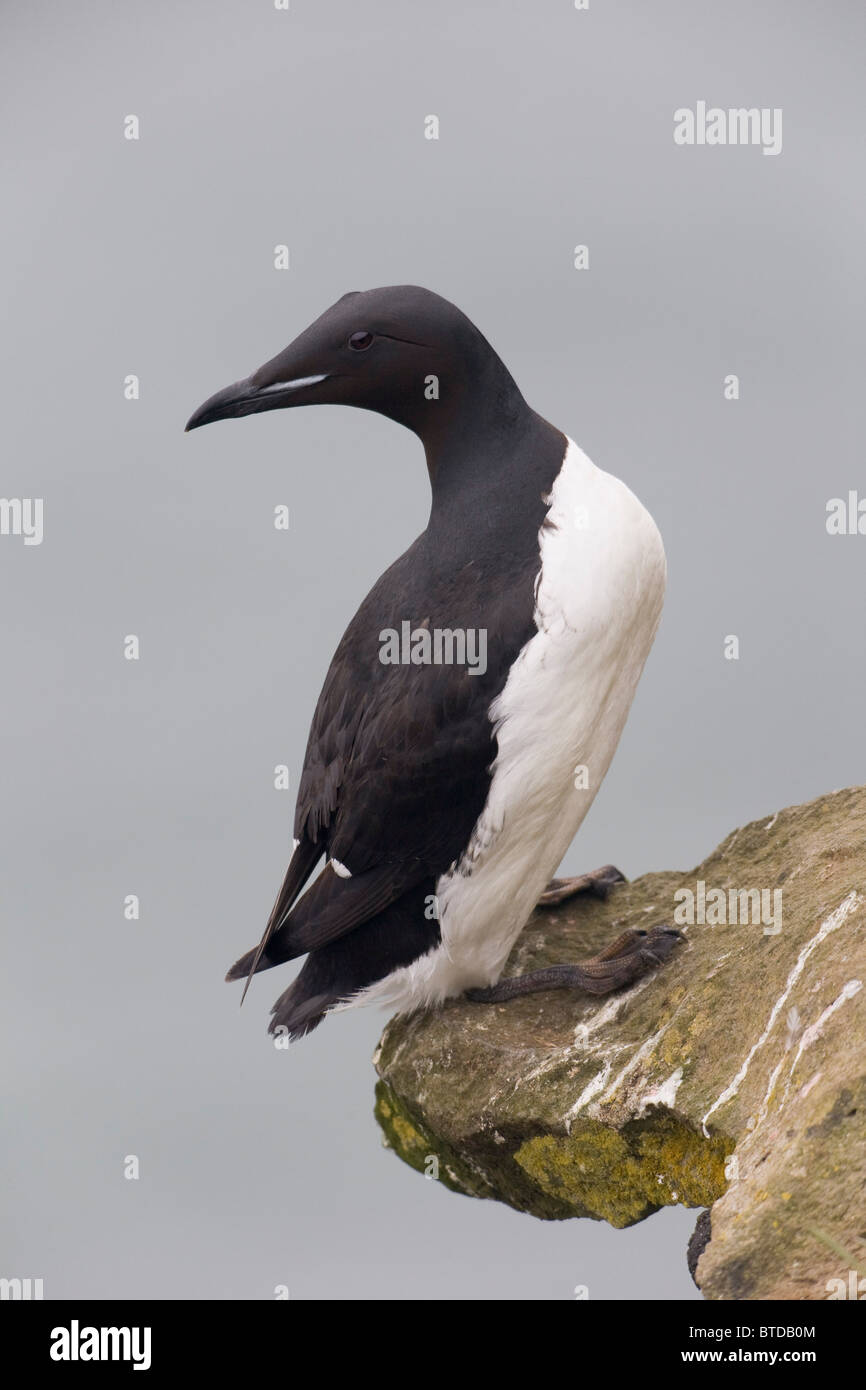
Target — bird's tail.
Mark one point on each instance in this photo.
(301, 865)
(297, 1012)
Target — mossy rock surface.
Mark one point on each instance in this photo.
(734, 1078)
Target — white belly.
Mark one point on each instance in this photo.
(598, 603)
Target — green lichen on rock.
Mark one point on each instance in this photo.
(622, 1176)
(734, 1078)
(473, 1173)
(407, 1135)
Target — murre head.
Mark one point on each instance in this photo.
(378, 349)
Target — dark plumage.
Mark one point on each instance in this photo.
(398, 765)
(396, 770)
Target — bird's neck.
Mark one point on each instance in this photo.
(492, 463)
(478, 416)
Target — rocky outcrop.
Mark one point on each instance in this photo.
(732, 1079)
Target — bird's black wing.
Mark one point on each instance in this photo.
(397, 767)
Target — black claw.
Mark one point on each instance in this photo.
(600, 887)
(477, 996)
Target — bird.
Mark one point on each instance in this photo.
(475, 700)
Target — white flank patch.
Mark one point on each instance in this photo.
(340, 869)
(598, 603)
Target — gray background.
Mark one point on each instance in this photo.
(259, 1167)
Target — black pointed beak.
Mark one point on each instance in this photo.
(245, 398)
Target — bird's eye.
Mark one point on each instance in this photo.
(360, 341)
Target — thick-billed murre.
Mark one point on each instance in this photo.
(442, 795)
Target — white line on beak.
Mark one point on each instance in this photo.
(293, 385)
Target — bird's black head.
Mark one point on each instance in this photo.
(380, 350)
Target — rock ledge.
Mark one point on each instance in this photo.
(734, 1078)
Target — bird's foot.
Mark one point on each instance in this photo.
(598, 883)
(633, 954)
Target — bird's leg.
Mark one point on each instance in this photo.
(598, 883)
(631, 955)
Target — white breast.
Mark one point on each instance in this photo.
(598, 603)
